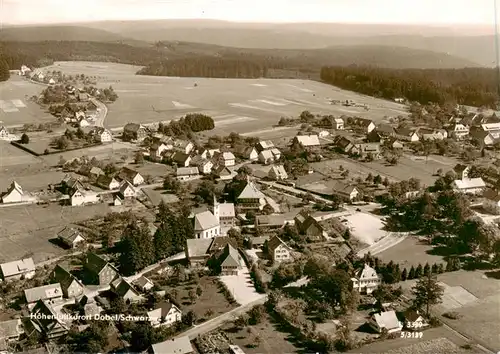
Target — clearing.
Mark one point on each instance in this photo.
(366, 227)
(12, 156)
(241, 105)
(410, 252)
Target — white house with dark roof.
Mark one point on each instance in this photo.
(338, 124)
(184, 146)
(107, 182)
(187, 173)
(15, 194)
(206, 225)
(125, 290)
(132, 176)
(70, 285)
(230, 261)
(226, 159)
(386, 320)
(250, 153)
(345, 190)
(250, 198)
(366, 280)
(70, 237)
(166, 315)
(205, 167)
(127, 190)
(209, 153)
(20, 269)
(143, 283)
(45, 292)
(266, 157)
(79, 197)
(469, 185)
(157, 151)
(462, 171)
(264, 145)
(307, 141)
(278, 250)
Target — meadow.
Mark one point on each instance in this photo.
(242, 105)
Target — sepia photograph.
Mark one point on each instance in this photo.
(250, 177)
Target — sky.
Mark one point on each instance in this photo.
(438, 12)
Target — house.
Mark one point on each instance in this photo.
(230, 261)
(469, 185)
(277, 173)
(186, 173)
(209, 153)
(83, 97)
(385, 321)
(400, 100)
(132, 176)
(205, 167)
(167, 314)
(344, 145)
(492, 128)
(45, 292)
(16, 270)
(79, 197)
(143, 283)
(264, 145)
(45, 319)
(273, 222)
(25, 70)
(70, 285)
(250, 153)
(107, 182)
(276, 153)
(10, 333)
(101, 272)
(366, 280)
(311, 228)
(393, 144)
(374, 137)
(345, 190)
(103, 135)
(134, 131)
(180, 159)
(458, 131)
(95, 172)
(183, 146)
(15, 194)
(224, 173)
(414, 320)
(338, 124)
(4, 133)
(366, 125)
(370, 149)
(179, 345)
(125, 290)
(482, 137)
(406, 134)
(266, 157)
(307, 141)
(70, 184)
(225, 214)
(226, 159)
(429, 134)
(385, 130)
(157, 151)
(206, 225)
(250, 198)
(199, 251)
(70, 237)
(117, 201)
(491, 199)
(462, 171)
(127, 190)
(52, 82)
(278, 250)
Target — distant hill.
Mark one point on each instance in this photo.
(311, 60)
(63, 33)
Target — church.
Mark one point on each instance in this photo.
(215, 222)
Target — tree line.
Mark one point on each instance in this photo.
(468, 86)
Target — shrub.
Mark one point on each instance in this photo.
(452, 315)
(435, 322)
(25, 139)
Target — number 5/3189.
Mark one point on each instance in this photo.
(411, 334)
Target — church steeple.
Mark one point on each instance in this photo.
(216, 210)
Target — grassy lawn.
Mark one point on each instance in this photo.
(273, 339)
(410, 252)
(211, 298)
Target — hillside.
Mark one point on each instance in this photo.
(63, 33)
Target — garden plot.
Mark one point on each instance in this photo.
(365, 227)
(455, 297)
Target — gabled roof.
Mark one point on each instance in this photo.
(310, 221)
(227, 156)
(387, 319)
(17, 267)
(307, 140)
(96, 263)
(469, 183)
(275, 242)
(363, 122)
(342, 142)
(64, 277)
(278, 170)
(128, 173)
(366, 272)
(69, 234)
(126, 185)
(180, 157)
(14, 186)
(122, 287)
(186, 171)
(342, 187)
(180, 345)
(385, 129)
(265, 144)
(43, 292)
(266, 154)
(226, 210)
(403, 131)
(250, 192)
(459, 168)
(198, 247)
(142, 281)
(162, 310)
(204, 221)
(230, 257)
(105, 181)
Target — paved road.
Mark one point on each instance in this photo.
(102, 112)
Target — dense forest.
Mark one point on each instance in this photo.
(207, 67)
(4, 70)
(469, 86)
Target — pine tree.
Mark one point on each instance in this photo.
(434, 268)
(440, 268)
(427, 269)
(427, 292)
(419, 271)
(411, 274)
(404, 275)
(397, 273)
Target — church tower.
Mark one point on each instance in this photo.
(216, 209)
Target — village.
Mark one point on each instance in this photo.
(203, 237)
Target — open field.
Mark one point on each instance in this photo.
(242, 105)
(27, 229)
(480, 317)
(410, 252)
(15, 107)
(10, 156)
(404, 170)
(34, 182)
(366, 227)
